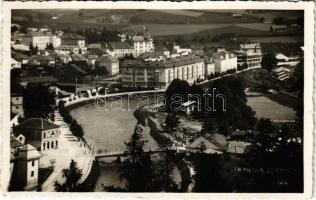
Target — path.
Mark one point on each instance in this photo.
(69, 148)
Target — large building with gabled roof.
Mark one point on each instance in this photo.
(40, 133)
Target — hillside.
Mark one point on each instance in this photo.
(128, 17)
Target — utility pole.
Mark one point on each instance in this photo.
(76, 86)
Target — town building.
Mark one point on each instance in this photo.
(56, 41)
(143, 43)
(73, 43)
(40, 133)
(47, 80)
(15, 64)
(25, 169)
(287, 61)
(224, 61)
(249, 55)
(111, 64)
(17, 104)
(91, 58)
(21, 58)
(37, 39)
(209, 66)
(21, 47)
(120, 49)
(42, 60)
(203, 144)
(159, 74)
(282, 73)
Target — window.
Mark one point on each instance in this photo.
(33, 163)
(44, 134)
(44, 146)
(32, 173)
(52, 144)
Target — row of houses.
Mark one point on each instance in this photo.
(158, 69)
(67, 43)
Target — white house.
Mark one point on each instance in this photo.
(224, 61)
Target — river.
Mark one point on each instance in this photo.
(109, 130)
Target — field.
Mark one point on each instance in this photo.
(266, 108)
(175, 29)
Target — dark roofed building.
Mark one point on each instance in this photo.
(37, 80)
(40, 133)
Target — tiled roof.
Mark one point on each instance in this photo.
(14, 143)
(31, 152)
(73, 36)
(107, 59)
(94, 46)
(38, 79)
(37, 34)
(222, 55)
(78, 57)
(172, 62)
(120, 45)
(43, 58)
(138, 38)
(37, 124)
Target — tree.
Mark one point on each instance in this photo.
(269, 61)
(172, 121)
(38, 101)
(137, 168)
(265, 126)
(72, 175)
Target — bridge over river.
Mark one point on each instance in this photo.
(122, 153)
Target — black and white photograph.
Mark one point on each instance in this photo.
(159, 100)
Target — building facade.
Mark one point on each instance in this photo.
(16, 102)
(143, 43)
(159, 74)
(250, 55)
(120, 49)
(111, 64)
(73, 43)
(38, 39)
(40, 133)
(25, 169)
(224, 61)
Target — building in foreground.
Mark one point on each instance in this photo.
(40, 133)
(159, 74)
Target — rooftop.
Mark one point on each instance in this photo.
(14, 143)
(120, 45)
(73, 36)
(37, 34)
(31, 152)
(107, 59)
(169, 63)
(36, 124)
(39, 79)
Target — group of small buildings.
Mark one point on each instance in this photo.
(29, 141)
(143, 66)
